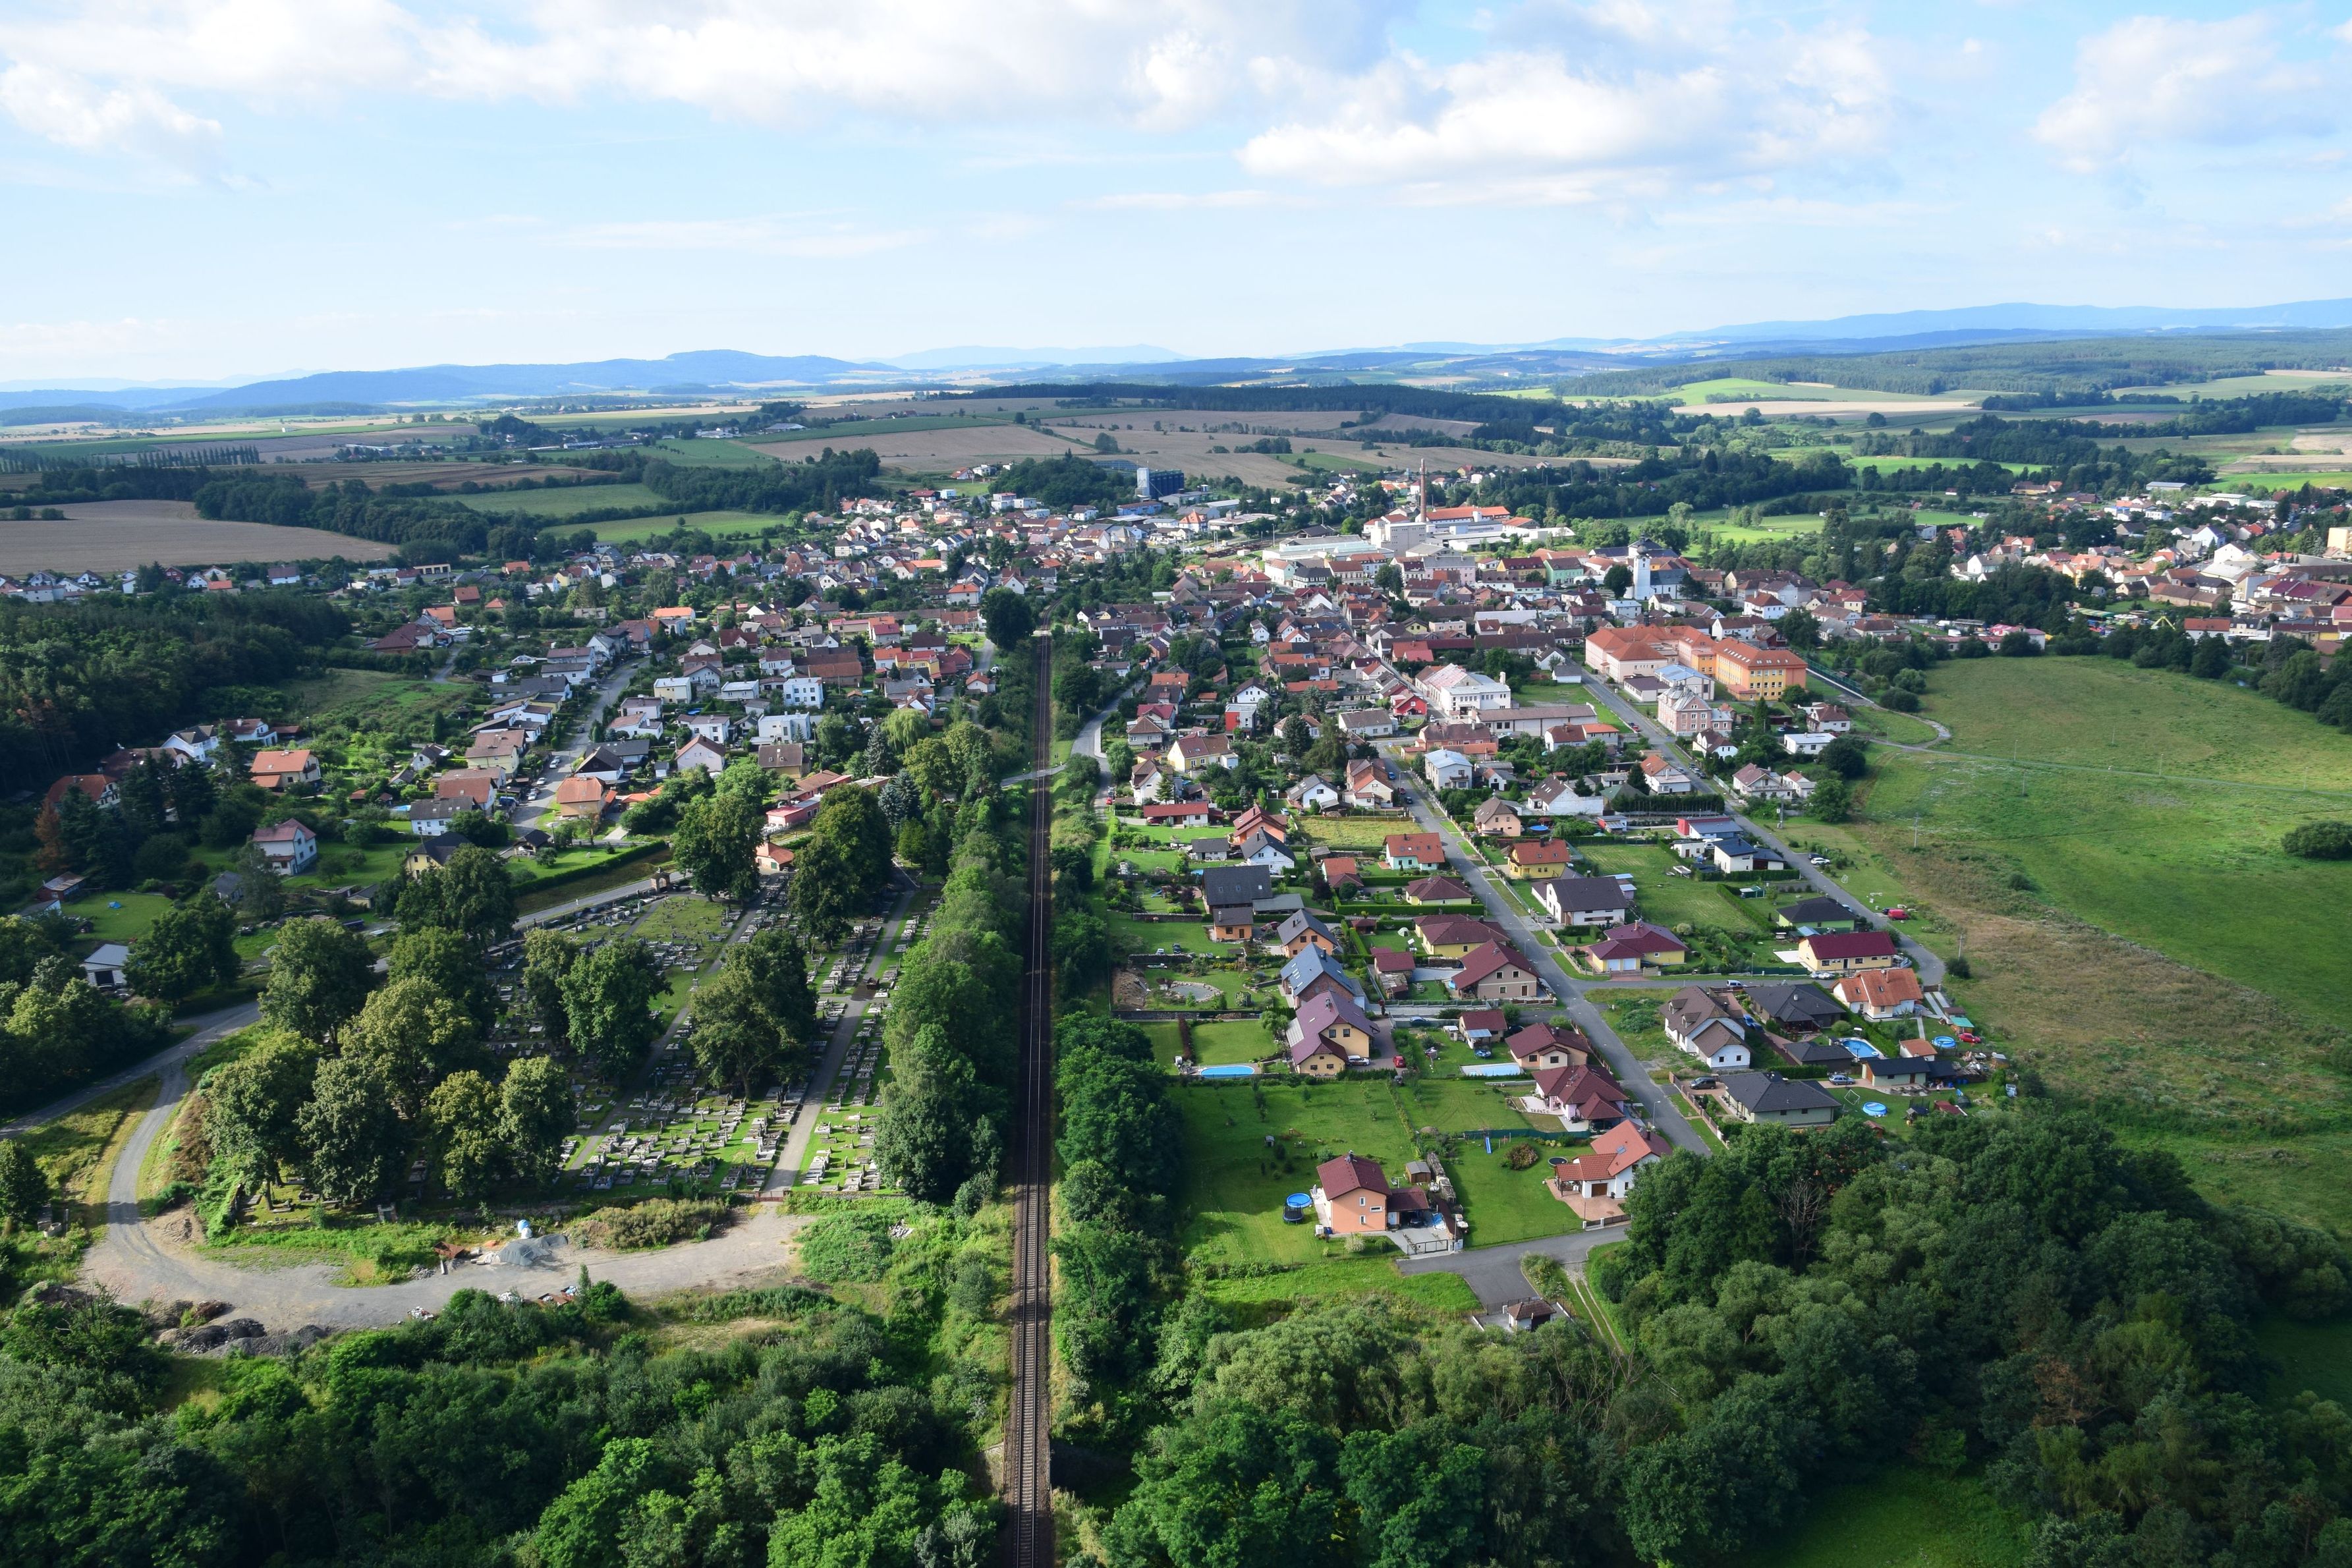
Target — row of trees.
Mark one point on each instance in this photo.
(1121, 1149)
(953, 1032)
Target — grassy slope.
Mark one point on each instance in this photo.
(2139, 938)
(562, 502)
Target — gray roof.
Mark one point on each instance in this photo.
(1806, 1003)
(1770, 1092)
(1235, 884)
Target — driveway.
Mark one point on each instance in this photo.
(1493, 1272)
(1657, 1107)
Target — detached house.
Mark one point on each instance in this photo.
(1413, 852)
(1539, 859)
(291, 848)
(1595, 1182)
(1328, 1031)
(1585, 1098)
(1879, 994)
(1701, 1023)
(1846, 953)
(1586, 900)
(1767, 1098)
(285, 770)
(1631, 948)
(1495, 974)
(1539, 1048)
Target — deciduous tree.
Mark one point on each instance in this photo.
(318, 978)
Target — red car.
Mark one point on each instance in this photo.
(1969, 1038)
(1898, 912)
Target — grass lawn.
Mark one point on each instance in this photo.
(1633, 1015)
(1345, 1276)
(1456, 1104)
(1662, 897)
(1164, 1039)
(1131, 935)
(77, 1152)
(1235, 1185)
(1357, 832)
(1902, 1517)
(528, 899)
(693, 453)
(116, 917)
(1503, 1204)
(2317, 1356)
(1225, 1042)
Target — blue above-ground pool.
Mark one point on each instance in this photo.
(1300, 1200)
(1943, 1042)
(1874, 1107)
(1233, 1069)
(1491, 1070)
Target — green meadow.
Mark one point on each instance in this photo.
(2103, 844)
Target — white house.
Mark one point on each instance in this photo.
(1311, 794)
(673, 689)
(804, 691)
(1806, 742)
(1446, 769)
(700, 753)
(775, 727)
(714, 728)
(196, 744)
(291, 848)
(1453, 692)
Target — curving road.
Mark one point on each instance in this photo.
(209, 1027)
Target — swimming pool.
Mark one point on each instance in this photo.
(1862, 1050)
(1236, 1069)
(1491, 1070)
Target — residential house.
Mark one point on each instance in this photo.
(715, 728)
(1392, 968)
(1630, 948)
(1447, 769)
(1595, 1182)
(1741, 854)
(1481, 1025)
(1585, 1098)
(1223, 885)
(100, 789)
(1179, 813)
(1539, 859)
(1762, 1098)
(290, 847)
(1498, 817)
(1313, 972)
(1413, 852)
(1539, 1048)
(1211, 849)
(285, 769)
(1454, 937)
(1367, 789)
(1664, 778)
(1904, 1072)
(1436, 891)
(1558, 796)
(1844, 952)
(432, 818)
(195, 744)
(1803, 1008)
(1586, 900)
(701, 754)
(477, 788)
(583, 798)
(1352, 1197)
(789, 758)
(1495, 973)
(1707, 1027)
(1370, 724)
(1311, 794)
(1300, 930)
(1192, 753)
(1879, 994)
(1329, 1024)
(1821, 913)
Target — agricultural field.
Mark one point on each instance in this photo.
(120, 536)
(562, 502)
(2105, 840)
(694, 453)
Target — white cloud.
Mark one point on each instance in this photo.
(1615, 101)
(2165, 80)
(1178, 201)
(784, 235)
(76, 113)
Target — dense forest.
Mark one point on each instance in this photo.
(78, 679)
(2012, 1293)
(1652, 488)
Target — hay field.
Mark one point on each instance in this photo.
(116, 535)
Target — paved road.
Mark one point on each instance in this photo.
(584, 901)
(1930, 967)
(1657, 1106)
(561, 762)
(210, 1027)
(1089, 744)
(1493, 1272)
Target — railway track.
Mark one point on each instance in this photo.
(1028, 1471)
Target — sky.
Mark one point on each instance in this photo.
(224, 189)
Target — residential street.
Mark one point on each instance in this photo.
(560, 762)
(1930, 967)
(1494, 1271)
(1657, 1106)
(209, 1027)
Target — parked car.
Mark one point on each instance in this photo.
(1898, 912)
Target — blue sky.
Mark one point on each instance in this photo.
(209, 188)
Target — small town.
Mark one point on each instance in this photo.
(1641, 886)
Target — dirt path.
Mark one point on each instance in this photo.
(787, 1172)
(210, 1027)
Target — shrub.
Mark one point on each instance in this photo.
(847, 1246)
(2320, 841)
(657, 1222)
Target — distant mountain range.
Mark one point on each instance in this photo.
(729, 372)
